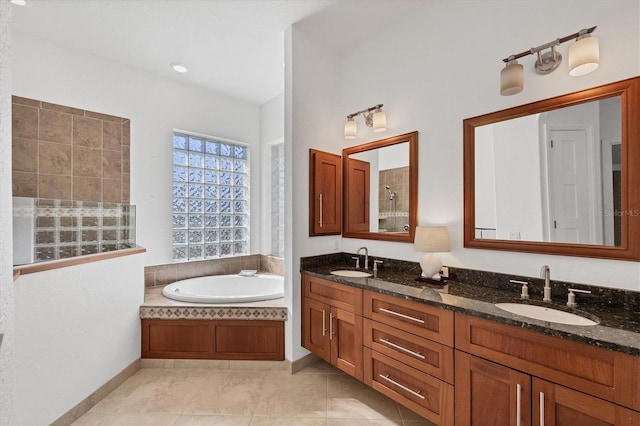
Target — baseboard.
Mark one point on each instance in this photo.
(86, 404)
(301, 363)
(214, 364)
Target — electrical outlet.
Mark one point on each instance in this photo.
(444, 272)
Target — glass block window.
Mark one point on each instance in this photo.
(210, 198)
(277, 200)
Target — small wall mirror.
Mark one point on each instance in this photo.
(380, 189)
(556, 176)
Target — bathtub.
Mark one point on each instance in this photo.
(226, 289)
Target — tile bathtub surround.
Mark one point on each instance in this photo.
(68, 153)
(161, 275)
(317, 395)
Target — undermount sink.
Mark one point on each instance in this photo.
(351, 274)
(545, 314)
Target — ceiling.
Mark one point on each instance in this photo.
(233, 47)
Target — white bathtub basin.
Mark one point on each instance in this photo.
(226, 289)
(544, 313)
(351, 274)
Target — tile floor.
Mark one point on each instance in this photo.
(317, 395)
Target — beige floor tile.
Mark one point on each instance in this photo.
(320, 367)
(347, 398)
(287, 421)
(207, 420)
(298, 395)
(319, 395)
(126, 419)
(154, 391)
(363, 422)
(226, 393)
(412, 419)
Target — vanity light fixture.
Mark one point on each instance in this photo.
(584, 56)
(178, 67)
(373, 117)
(431, 240)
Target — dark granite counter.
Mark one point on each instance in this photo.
(618, 314)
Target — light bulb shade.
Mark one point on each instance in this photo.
(431, 239)
(511, 79)
(379, 121)
(350, 129)
(584, 56)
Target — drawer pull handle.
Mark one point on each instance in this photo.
(398, 314)
(541, 408)
(409, 351)
(411, 391)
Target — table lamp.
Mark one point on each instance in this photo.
(431, 240)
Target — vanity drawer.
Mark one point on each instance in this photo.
(423, 354)
(420, 392)
(423, 320)
(339, 295)
(603, 373)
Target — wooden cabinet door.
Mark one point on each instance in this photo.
(346, 342)
(316, 318)
(357, 203)
(325, 201)
(488, 394)
(556, 405)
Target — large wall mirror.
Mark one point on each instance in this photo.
(558, 176)
(380, 189)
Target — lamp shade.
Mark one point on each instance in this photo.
(379, 121)
(350, 129)
(432, 239)
(584, 56)
(511, 79)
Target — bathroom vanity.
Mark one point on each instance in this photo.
(453, 357)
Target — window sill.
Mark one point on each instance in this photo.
(73, 261)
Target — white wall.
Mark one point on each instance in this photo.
(76, 328)
(517, 177)
(485, 178)
(431, 87)
(313, 119)
(440, 66)
(155, 107)
(7, 358)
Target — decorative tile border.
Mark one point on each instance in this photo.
(212, 312)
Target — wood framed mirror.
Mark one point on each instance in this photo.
(380, 189)
(559, 176)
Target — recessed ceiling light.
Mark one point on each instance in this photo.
(19, 2)
(178, 67)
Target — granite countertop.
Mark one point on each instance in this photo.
(618, 328)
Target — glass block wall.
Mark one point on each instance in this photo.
(46, 229)
(210, 198)
(277, 200)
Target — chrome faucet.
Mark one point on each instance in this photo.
(546, 274)
(366, 256)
